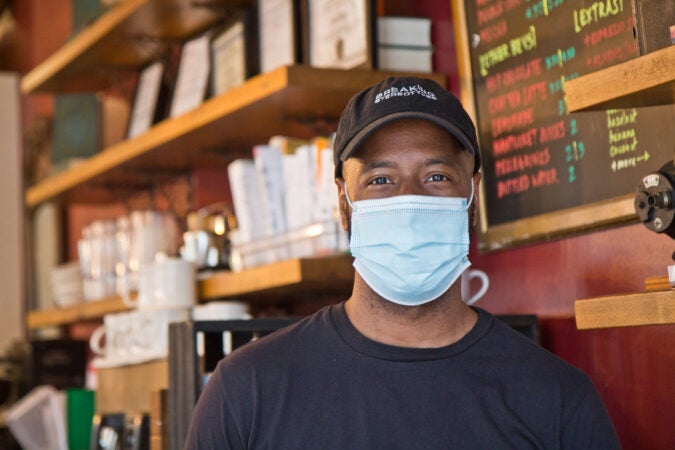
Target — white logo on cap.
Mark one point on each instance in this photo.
(404, 92)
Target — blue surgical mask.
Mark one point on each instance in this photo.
(410, 248)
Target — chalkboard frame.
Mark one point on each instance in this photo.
(543, 227)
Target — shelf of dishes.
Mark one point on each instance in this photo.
(126, 37)
(290, 101)
(293, 277)
(647, 80)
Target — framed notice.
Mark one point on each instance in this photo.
(278, 28)
(340, 33)
(193, 76)
(146, 100)
(549, 172)
(228, 53)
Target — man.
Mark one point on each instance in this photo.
(403, 363)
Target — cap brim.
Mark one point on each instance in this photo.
(361, 136)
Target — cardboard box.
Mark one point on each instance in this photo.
(129, 388)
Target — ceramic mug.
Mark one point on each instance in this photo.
(467, 282)
(174, 283)
(168, 283)
(116, 329)
(150, 332)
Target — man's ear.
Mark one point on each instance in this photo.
(343, 205)
(475, 205)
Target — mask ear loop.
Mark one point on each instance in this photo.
(468, 203)
(347, 196)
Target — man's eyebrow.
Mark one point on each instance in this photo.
(449, 161)
(378, 165)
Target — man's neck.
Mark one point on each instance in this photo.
(438, 323)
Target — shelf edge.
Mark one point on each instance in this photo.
(165, 131)
(646, 308)
(650, 71)
(72, 49)
(76, 313)
(282, 274)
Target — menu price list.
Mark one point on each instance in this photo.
(538, 157)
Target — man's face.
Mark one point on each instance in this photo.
(408, 157)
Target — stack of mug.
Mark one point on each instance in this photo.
(166, 294)
(113, 252)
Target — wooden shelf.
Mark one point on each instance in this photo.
(76, 313)
(306, 275)
(647, 308)
(329, 274)
(297, 100)
(131, 34)
(648, 80)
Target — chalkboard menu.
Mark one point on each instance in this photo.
(538, 157)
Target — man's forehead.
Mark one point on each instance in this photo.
(409, 135)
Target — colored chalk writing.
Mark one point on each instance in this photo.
(596, 12)
(515, 47)
(537, 156)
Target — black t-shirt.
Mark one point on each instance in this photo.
(320, 384)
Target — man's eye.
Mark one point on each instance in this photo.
(379, 180)
(438, 177)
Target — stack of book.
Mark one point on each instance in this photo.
(285, 201)
(404, 44)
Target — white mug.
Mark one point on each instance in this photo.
(116, 329)
(466, 285)
(168, 283)
(150, 333)
(175, 283)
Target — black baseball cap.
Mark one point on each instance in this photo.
(401, 98)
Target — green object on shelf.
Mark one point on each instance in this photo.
(76, 127)
(80, 413)
(85, 12)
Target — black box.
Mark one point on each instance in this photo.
(653, 20)
(61, 363)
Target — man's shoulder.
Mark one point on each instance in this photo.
(513, 349)
(283, 342)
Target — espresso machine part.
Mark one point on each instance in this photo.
(655, 200)
(120, 431)
(206, 242)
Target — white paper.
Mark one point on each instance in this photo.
(338, 32)
(145, 102)
(193, 76)
(246, 199)
(404, 31)
(405, 59)
(229, 59)
(277, 34)
(270, 175)
(300, 190)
